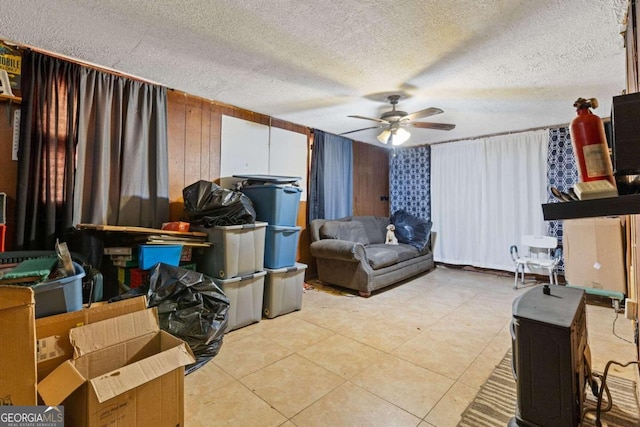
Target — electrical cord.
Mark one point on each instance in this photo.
(605, 388)
(613, 329)
(594, 389)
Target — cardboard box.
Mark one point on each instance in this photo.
(52, 333)
(18, 338)
(594, 253)
(125, 371)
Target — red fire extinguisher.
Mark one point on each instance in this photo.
(590, 143)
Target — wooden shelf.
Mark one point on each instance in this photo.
(139, 230)
(10, 98)
(621, 205)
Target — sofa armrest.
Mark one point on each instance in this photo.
(338, 249)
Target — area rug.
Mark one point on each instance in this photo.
(318, 285)
(495, 403)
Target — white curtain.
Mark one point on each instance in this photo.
(486, 194)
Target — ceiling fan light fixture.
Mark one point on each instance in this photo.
(384, 136)
(393, 121)
(400, 136)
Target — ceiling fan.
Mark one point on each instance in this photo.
(392, 122)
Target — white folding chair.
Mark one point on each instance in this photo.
(543, 255)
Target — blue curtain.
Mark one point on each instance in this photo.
(410, 181)
(331, 181)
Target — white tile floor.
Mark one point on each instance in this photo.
(411, 355)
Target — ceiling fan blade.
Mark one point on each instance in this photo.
(422, 114)
(369, 118)
(358, 130)
(429, 125)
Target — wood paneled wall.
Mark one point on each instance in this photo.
(8, 167)
(370, 180)
(194, 135)
(194, 145)
(194, 154)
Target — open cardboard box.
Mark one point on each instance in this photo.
(125, 371)
(38, 346)
(52, 332)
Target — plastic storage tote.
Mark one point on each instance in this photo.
(283, 290)
(275, 204)
(245, 298)
(150, 255)
(281, 244)
(269, 179)
(237, 250)
(60, 295)
(92, 282)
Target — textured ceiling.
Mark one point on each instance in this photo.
(491, 65)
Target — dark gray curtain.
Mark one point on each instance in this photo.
(93, 149)
(48, 131)
(122, 152)
(331, 177)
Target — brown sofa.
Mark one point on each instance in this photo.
(351, 252)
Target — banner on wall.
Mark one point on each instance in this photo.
(11, 62)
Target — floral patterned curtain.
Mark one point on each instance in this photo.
(410, 181)
(562, 173)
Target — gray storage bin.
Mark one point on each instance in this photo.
(237, 250)
(245, 298)
(283, 289)
(60, 295)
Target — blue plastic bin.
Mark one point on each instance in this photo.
(280, 246)
(275, 204)
(150, 255)
(60, 295)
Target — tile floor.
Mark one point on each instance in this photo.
(411, 355)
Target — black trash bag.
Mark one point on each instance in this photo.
(191, 307)
(207, 205)
(411, 229)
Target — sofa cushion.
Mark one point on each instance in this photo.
(375, 227)
(352, 231)
(381, 255)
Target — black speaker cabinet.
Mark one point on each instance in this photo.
(625, 118)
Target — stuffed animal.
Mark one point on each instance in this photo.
(391, 235)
